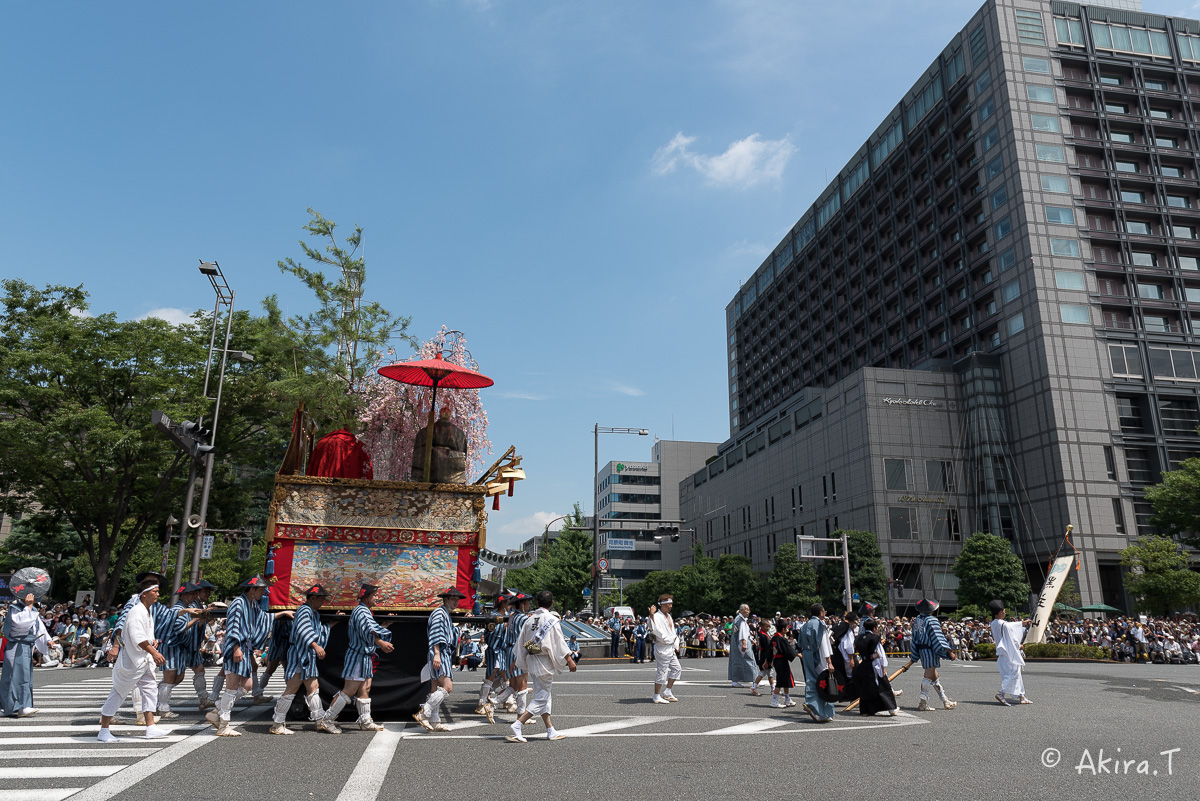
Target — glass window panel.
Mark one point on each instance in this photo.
(1161, 364)
(1064, 247)
(1182, 361)
(1135, 227)
(990, 139)
(995, 167)
(987, 109)
(902, 522)
(1051, 153)
(1007, 259)
(1121, 136)
(898, 474)
(1040, 94)
(1100, 35)
(1016, 323)
(1056, 183)
(1003, 228)
(1032, 64)
(1000, 197)
(1178, 202)
(1011, 291)
(1127, 166)
(1158, 44)
(1074, 314)
(1060, 214)
(1189, 263)
(1045, 122)
(1141, 40)
(1130, 196)
(1120, 37)
(1064, 279)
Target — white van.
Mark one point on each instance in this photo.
(621, 612)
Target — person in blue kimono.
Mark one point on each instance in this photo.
(442, 639)
(23, 631)
(816, 654)
(929, 645)
(495, 667)
(365, 637)
(308, 639)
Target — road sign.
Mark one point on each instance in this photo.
(603, 563)
(615, 544)
(587, 592)
(856, 598)
(206, 547)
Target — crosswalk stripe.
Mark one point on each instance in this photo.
(84, 739)
(60, 771)
(100, 751)
(413, 730)
(613, 725)
(17, 727)
(367, 777)
(752, 727)
(41, 794)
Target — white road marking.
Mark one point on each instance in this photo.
(48, 794)
(60, 771)
(623, 723)
(118, 728)
(367, 777)
(86, 739)
(414, 730)
(101, 751)
(752, 728)
(1188, 690)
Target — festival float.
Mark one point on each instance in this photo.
(331, 521)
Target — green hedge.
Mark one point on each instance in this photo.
(1058, 650)
(1046, 650)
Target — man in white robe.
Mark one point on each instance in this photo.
(1009, 659)
(666, 650)
(134, 669)
(550, 655)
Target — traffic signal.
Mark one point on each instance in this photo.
(245, 546)
(668, 531)
(191, 437)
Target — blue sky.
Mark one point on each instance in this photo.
(580, 187)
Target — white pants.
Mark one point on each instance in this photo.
(1011, 681)
(666, 665)
(540, 705)
(127, 681)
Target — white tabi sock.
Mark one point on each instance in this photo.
(926, 684)
(484, 689)
(256, 688)
(282, 706)
(314, 706)
(336, 706)
(364, 709)
(238, 693)
(217, 684)
(502, 697)
(225, 705)
(199, 685)
(522, 701)
(550, 732)
(164, 697)
(432, 703)
(941, 691)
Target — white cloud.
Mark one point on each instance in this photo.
(519, 395)
(168, 314)
(744, 163)
(82, 313)
(526, 527)
(625, 389)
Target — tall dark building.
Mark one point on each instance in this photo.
(1025, 221)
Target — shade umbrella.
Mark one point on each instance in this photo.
(1099, 608)
(435, 372)
(1061, 607)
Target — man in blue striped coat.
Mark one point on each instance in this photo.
(442, 640)
(308, 639)
(365, 636)
(516, 676)
(494, 664)
(246, 630)
(929, 645)
(175, 648)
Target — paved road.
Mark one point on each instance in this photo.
(619, 745)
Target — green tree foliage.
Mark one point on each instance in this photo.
(76, 393)
(867, 575)
(1177, 502)
(1159, 577)
(564, 566)
(648, 590)
(43, 541)
(791, 584)
(987, 570)
(359, 332)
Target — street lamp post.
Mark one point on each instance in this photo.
(225, 297)
(597, 431)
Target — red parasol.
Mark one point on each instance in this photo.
(435, 372)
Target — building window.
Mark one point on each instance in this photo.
(1074, 314)
(1151, 291)
(940, 475)
(1144, 259)
(1161, 113)
(833, 484)
(1130, 196)
(825, 489)
(1120, 136)
(1029, 27)
(1178, 202)
(1032, 64)
(1016, 323)
(1116, 108)
(1137, 227)
(1157, 85)
(983, 82)
(985, 111)
(1118, 516)
(1112, 80)
(1183, 232)
(1051, 153)
(999, 197)
(1189, 263)
(995, 167)
(1064, 279)
(1165, 141)
(1060, 215)
(1011, 291)
(1127, 166)
(902, 522)
(1110, 464)
(944, 581)
(1007, 259)
(1045, 122)
(898, 475)
(1172, 172)
(1064, 247)
(1056, 183)
(1003, 228)
(1039, 94)
(1068, 31)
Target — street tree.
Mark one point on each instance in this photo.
(1159, 577)
(1176, 502)
(868, 577)
(791, 584)
(563, 565)
(358, 332)
(987, 570)
(647, 591)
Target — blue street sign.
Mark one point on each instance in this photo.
(856, 598)
(587, 592)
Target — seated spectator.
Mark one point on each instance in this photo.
(471, 656)
(573, 647)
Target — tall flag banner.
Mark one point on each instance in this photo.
(1059, 571)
